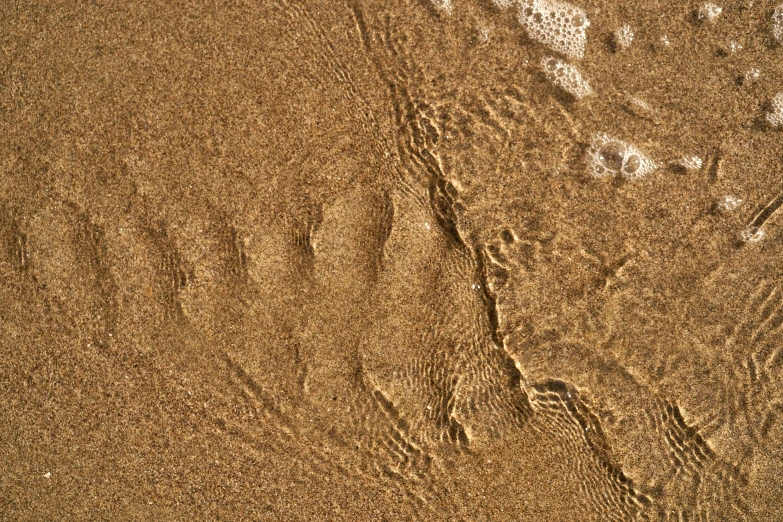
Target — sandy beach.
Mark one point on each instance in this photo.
(459, 260)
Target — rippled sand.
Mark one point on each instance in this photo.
(279, 260)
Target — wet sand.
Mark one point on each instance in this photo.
(351, 260)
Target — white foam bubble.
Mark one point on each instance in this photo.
(752, 234)
(565, 76)
(709, 11)
(728, 203)
(690, 162)
(608, 156)
(623, 37)
(734, 47)
(558, 25)
(638, 105)
(777, 23)
(444, 6)
(751, 75)
(775, 117)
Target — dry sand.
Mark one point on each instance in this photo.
(277, 260)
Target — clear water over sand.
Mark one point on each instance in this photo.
(373, 261)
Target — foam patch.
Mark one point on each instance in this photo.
(609, 156)
(566, 76)
(558, 25)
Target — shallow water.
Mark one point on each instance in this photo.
(369, 261)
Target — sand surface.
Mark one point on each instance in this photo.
(349, 260)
